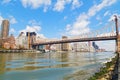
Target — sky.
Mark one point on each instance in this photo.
(55, 18)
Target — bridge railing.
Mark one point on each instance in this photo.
(108, 30)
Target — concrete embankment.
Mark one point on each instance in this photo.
(18, 51)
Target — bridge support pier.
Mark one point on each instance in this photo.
(117, 36)
(118, 44)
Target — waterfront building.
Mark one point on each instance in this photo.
(0, 32)
(53, 47)
(82, 47)
(0, 42)
(21, 41)
(31, 37)
(58, 47)
(5, 29)
(8, 43)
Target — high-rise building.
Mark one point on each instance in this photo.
(96, 47)
(65, 46)
(5, 29)
(31, 38)
(21, 41)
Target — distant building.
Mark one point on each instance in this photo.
(21, 41)
(8, 43)
(58, 47)
(64, 46)
(5, 29)
(31, 36)
(96, 47)
(39, 39)
(82, 47)
(0, 32)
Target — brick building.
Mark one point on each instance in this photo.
(8, 43)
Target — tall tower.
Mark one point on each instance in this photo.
(31, 38)
(5, 29)
(65, 46)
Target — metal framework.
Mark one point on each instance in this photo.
(107, 32)
(77, 40)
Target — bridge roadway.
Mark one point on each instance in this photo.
(77, 40)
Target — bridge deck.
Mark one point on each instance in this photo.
(77, 40)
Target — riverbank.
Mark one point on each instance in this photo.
(108, 72)
(18, 51)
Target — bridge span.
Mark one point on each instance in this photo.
(77, 40)
(112, 31)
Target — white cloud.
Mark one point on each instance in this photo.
(60, 4)
(31, 29)
(12, 30)
(33, 22)
(33, 26)
(34, 4)
(65, 17)
(98, 18)
(5, 1)
(76, 4)
(12, 20)
(96, 8)
(112, 17)
(41, 36)
(106, 13)
(81, 25)
(45, 9)
(68, 27)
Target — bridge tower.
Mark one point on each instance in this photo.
(64, 46)
(117, 35)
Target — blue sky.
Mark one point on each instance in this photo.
(54, 18)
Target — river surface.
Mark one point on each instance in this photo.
(51, 66)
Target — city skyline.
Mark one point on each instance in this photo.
(52, 19)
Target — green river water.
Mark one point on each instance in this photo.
(51, 66)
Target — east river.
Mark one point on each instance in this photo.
(51, 66)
